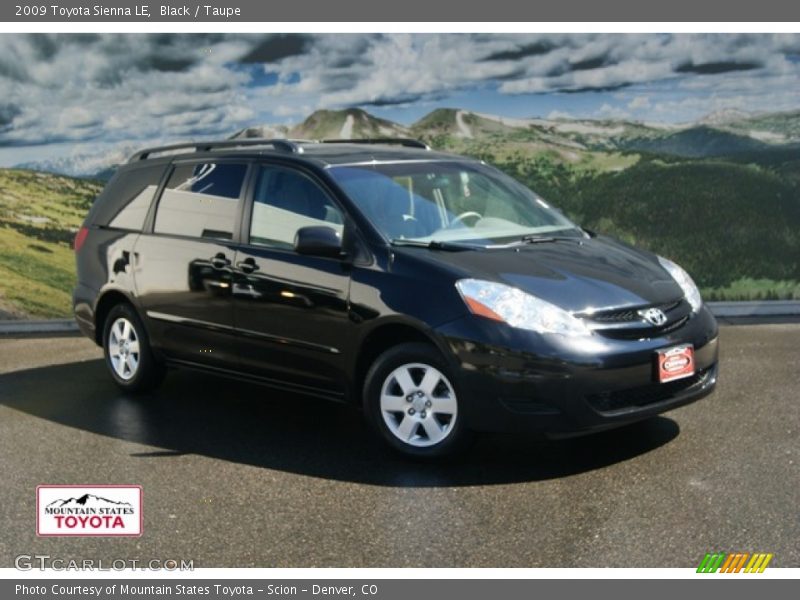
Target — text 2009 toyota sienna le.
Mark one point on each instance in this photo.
(438, 293)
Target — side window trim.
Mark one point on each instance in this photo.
(150, 220)
(242, 200)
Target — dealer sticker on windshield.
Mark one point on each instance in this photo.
(675, 363)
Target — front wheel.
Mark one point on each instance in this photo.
(127, 351)
(411, 401)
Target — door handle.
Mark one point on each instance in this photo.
(247, 265)
(219, 261)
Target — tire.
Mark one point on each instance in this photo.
(127, 351)
(411, 400)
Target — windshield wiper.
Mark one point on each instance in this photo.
(434, 245)
(538, 239)
(546, 239)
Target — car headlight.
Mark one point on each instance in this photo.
(516, 308)
(682, 278)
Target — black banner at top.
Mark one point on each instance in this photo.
(406, 11)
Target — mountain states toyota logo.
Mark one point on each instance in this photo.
(92, 510)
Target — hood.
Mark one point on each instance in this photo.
(577, 275)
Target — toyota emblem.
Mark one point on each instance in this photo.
(654, 316)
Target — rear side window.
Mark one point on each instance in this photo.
(127, 198)
(201, 200)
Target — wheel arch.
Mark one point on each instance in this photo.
(383, 337)
(107, 300)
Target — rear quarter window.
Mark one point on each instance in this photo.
(124, 202)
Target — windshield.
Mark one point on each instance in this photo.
(449, 202)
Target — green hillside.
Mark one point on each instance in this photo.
(783, 125)
(458, 123)
(697, 142)
(348, 124)
(735, 227)
(39, 214)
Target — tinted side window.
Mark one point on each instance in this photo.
(126, 199)
(200, 200)
(284, 201)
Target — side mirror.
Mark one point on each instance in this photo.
(318, 240)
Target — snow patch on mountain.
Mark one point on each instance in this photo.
(463, 129)
(588, 128)
(767, 136)
(511, 121)
(346, 132)
(724, 117)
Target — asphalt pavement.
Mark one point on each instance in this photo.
(239, 475)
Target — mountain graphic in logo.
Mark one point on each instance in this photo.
(87, 501)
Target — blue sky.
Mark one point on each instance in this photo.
(85, 95)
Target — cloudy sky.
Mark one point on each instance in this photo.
(83, 94)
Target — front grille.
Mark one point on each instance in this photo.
(628, 315)
(637, 333)
(617, 316)
(645, 395)
(627, 324)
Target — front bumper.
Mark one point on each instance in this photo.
(514, 380)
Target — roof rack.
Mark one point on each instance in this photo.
(284, 145)
(408, 142)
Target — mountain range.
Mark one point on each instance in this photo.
(723, 133)
(717, 134)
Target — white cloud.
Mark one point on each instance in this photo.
(125, 87)
(297, 110)
(79, 87)
(608, 111)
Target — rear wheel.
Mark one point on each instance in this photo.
(127, 351)
(411, 401)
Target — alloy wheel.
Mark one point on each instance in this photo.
(123, 349)
(418, 405)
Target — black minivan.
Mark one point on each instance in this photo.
(439, 294)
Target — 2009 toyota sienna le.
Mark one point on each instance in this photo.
(439, 294)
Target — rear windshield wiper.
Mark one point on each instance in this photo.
(434, 245)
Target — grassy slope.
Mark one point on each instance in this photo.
(722, 221)
(784, 124)
(327, 124)
(698, 142)
(39, 214)
(735, 227)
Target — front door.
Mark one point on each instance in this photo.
(291, 310)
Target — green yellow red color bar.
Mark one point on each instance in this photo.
(734, 562)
